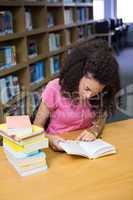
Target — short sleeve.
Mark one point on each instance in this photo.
(49, 96)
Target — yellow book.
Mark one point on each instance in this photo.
(13, 146)
(33, 146)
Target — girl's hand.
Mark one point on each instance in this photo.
(87, 135)
(54, 141)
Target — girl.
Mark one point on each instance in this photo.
(82, 96)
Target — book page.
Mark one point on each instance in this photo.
(73, 147)
(96, 147)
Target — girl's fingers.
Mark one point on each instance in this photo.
(86, 136)
(81, 135)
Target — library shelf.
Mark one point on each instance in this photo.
(39, 33)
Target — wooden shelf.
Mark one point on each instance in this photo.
(54, 4)
(44, 20)
(56, 28)
(12, 69)
(36, 58)
(32, 3)
(12, 36)
(10, 3)
(36, 31)
(52, 53)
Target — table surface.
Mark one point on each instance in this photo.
(73, 177)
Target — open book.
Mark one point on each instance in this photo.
(92, 150)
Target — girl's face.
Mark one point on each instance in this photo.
(89, 87)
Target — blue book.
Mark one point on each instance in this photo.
(40, 70)
(56, 64)
(8, 22)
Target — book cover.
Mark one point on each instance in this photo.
(19, 125)
(36, 130)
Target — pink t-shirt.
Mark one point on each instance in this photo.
(65, 116)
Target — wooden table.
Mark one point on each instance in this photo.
(77, 178)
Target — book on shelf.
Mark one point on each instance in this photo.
(6, 22)
(32, 48)
(19, 125)
(50, 19)
(68, 16)
(9, 88)
(37, 71)
(91, 150)
(54, 41)
(28, 20)
(7, 57)
(36, 130)
(81, 14)
(55, 64)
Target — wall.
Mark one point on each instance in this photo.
(110, 7)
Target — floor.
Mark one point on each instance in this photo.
(125, 60)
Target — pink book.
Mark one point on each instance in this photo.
(19, 125)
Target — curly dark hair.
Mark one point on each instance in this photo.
(97, 59)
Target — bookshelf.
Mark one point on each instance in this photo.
(37, 35)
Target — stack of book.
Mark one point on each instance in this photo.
(22, 144)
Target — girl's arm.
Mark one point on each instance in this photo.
(95, 130)
(98, 124)
(42, 115)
